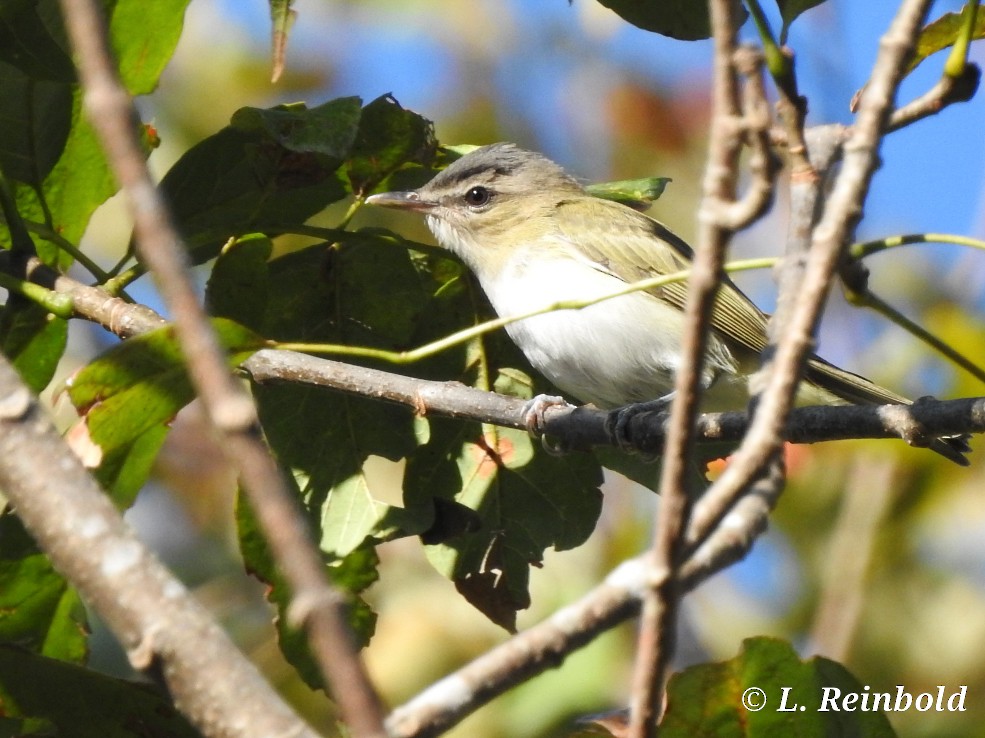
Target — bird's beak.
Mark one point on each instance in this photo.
(401, 200)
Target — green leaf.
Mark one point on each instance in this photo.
(39, 612)
(42, 696)
(33, 339)
(389, 137)
(129, 395)
(789, 10)
(269, 169)
(714, 699)
(328, 129)
(525, 502)
(143, 37)
(352, 574)
(681, 19)
(941, 34)
(638, 194)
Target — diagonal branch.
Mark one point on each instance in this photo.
(316, 605)
(155, 618)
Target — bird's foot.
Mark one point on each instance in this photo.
(533, 419)
(617, 423)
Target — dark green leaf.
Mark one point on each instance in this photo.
(39, 612)
(366, 294)
(790, 9)
(130, 394)
(525, 502)
(32, 38)
(712, 699)
(239, 285)
(33, 339)
(682, 19)
(353, 575)
(42, 696)
(34, 126)
(941, 34)
(269, 169)
(389, 137)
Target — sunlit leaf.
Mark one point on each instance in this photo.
(39, 612)
(353, 575)
(743, 697)
(941, 34)
(129, 395)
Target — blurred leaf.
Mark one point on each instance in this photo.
(389, 137)
(143, 37)
(789, 10)
(941, 34)
(33, 339)
(352, 575)
(281, 20)
(525, 503)
(239, 284)
(129, 395)
(638, 194)
(42, 696)
(37, 115)
(680, 19)
(39, 612)
(268, 169)
(711, 699)
(32, 38)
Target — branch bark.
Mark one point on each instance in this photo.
(155, 618)
(316, 604)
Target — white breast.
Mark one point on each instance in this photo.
(612, 353)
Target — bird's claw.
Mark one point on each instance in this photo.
(533, 419)
(617, 422)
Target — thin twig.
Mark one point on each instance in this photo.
(842, 211)
(658, 623)
(316, 605)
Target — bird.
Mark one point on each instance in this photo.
(534, 236)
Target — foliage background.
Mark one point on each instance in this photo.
(612, 102)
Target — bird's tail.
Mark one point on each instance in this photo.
(857, 390)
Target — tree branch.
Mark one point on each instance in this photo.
(151, 612)
(842, 211)
(718, 212)
(316, 604)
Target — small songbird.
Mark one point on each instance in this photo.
(535, 237)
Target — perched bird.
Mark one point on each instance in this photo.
(534, 237)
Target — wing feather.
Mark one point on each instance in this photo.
(632, 246)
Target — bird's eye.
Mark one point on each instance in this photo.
(477, 197)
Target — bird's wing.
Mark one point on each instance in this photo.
(601, 227)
